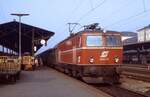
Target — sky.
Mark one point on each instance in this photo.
(53, 15)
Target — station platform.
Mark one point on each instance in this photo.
(47, 82)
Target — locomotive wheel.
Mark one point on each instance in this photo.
(66, 71)
(52, 66)
(74, 73)
(116, 79)
(70, 73)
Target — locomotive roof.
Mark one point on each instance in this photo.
(88, 31)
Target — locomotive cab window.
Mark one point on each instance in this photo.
(113, 40)
(94, 41)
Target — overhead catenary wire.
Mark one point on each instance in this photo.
(86, 14)
(128, 18)
(142, 21)
(91, 4)
(115, 23)
(133, 16)
(126, 21)
(72, 12)
(119, 9)
(76, 8)
(135, 21)
(144, 6)
(71, 30)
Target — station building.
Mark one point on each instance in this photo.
(144, 34)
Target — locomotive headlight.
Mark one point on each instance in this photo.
(79, 59)
(91, 60)
(116, 59)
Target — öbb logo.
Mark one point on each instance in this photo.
(104, 54)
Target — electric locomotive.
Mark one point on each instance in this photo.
(92, 54)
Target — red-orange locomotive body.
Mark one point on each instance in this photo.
(91, 55)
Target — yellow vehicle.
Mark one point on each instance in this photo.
(27, 62)
(9, 68)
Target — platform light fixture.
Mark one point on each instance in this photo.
(19, 15)
(42, 41)
(35, 48)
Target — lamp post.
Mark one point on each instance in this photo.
(19, 15)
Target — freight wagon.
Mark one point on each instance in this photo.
(9, 68)
(27, 62)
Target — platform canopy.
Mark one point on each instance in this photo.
(31, 36)
(137, 46)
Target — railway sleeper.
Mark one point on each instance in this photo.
(138, 76)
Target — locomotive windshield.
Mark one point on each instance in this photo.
(94, 41)
(113, 40)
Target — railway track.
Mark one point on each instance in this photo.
(117, 91)
(141, 75)
(136, 72)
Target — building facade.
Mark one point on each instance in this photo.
(144, 34)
